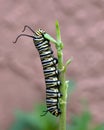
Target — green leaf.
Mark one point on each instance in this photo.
(99, 127)
(80, 122)
(33, 120)
(58, 35)
(59, 44)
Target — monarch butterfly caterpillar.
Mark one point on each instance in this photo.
(51, 73)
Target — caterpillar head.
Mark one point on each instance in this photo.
(40, 32)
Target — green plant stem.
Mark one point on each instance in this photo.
(62, 68)
(63, 87)
(63, 90)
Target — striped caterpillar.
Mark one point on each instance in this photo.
(51, 73)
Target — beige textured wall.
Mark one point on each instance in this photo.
(21, 77)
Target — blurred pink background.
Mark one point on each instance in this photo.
(21, 77)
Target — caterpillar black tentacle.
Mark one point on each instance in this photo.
(26, 26)
(22, 35)
(51, 73)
